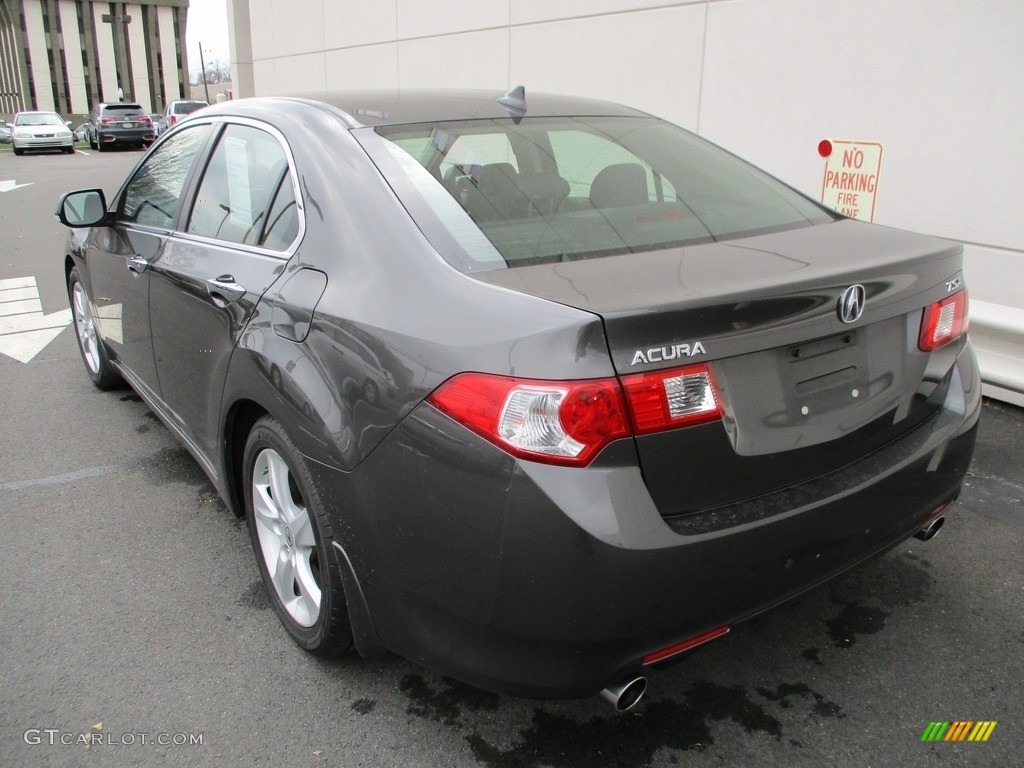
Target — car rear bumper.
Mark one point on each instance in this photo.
(126, 136)
(548, 581)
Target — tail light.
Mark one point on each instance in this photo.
(668, 399)
(570, 422)
(107, 120)
(145, 119)
(172, 118)
(943, 322)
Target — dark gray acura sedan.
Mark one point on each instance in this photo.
(539, 392)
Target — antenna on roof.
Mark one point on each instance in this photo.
(514, 103)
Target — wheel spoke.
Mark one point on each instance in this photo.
(302, 530)
(284, 575)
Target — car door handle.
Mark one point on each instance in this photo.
(137, 265)
(225, 288)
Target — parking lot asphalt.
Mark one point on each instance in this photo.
(132, 612)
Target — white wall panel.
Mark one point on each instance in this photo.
(301, 29)
(296, 74)
(373, 66)
(532, 11)
(264, 75)
(349, 23)
(648, 59)
(417, 18)
(471, 60)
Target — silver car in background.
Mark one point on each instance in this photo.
(41, 130)
(177, 111)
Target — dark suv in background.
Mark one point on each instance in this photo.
(118, 124)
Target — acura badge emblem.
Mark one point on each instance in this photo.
(851, 304)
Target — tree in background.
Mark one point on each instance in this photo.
(216, 72)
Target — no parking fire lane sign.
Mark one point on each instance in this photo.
(850, 183)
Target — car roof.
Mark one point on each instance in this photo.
(395, 107)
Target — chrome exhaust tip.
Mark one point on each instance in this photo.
(626, 695)
(931, 529)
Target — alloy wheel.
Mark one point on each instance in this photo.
(287, 543)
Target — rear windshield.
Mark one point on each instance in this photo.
(490, 194)
(126, 108)
(187, 107)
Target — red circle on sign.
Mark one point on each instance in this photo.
(824, 147)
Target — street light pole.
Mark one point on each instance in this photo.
(202, 63)
(119, 34)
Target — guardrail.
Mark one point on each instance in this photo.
(997, 334)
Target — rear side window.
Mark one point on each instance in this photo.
(246, 195)
(153, 195)
(493, 194)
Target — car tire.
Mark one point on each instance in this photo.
(19, 151)
(69, 150)
(292, 537)
(99, 145)
(94, 356)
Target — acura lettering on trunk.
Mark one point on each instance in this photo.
(668, 352)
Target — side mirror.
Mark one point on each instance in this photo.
(85, 208)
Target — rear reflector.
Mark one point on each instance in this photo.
(668, 399)
(693, 642)
(943, 322)
(570, 422)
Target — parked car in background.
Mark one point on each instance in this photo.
(82, 132)
(177, 111)
(540, 392)
(40, 131)
(118, 125)
(6, 133)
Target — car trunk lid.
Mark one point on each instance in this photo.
(804, 392)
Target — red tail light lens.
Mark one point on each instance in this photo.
(943, 322)
(145, 119)
(172, 118)
(106, 120)
(557, 422)
(668, 399)
(570, 422)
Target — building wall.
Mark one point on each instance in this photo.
(939, 83)
(61, 55)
